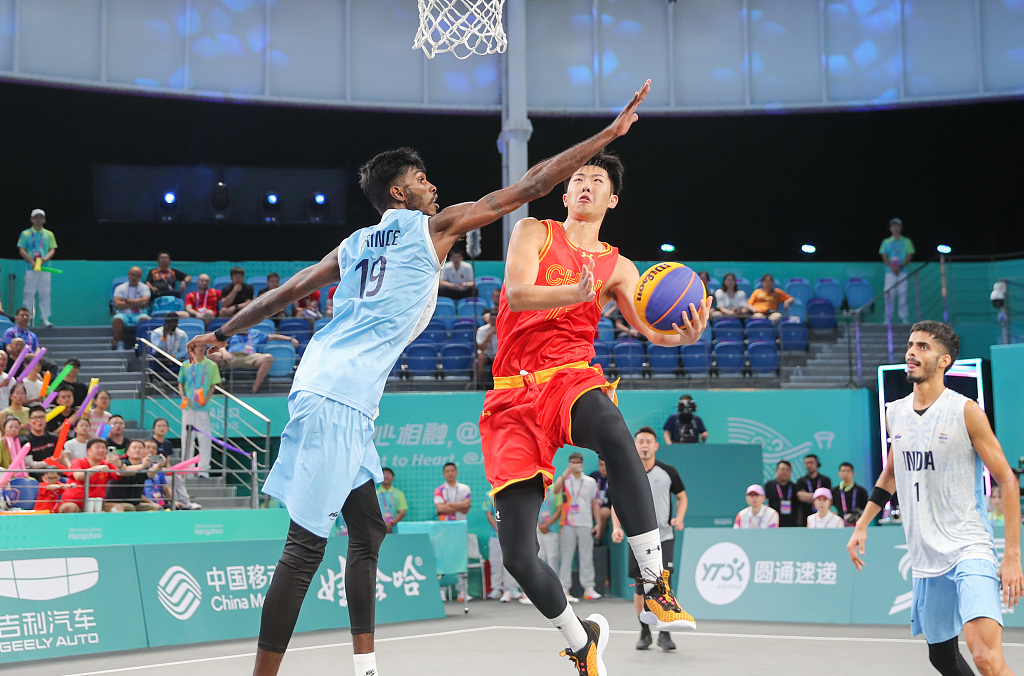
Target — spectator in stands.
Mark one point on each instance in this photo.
(6, 379)
(16, 406)
(41, 443)
(810, 482)
(37, 245)
(452, 499)
(101, 470)
(195, 385)
(81, 389)
(50, 491)
(33, 383)
(504, 587)
(163, 446)
(11, 428)
(65, 398)
(486, 343)
(824, 517)
(685, 426)
(308, 307)
(457, 279)
(781, 495)
(74, 447)
(604, 514)
(165, 449)
(995, 505)
(548, 522)
(393, 505)
(241, 353)
(236, 295)
(156, 488)
(130, 301)
(21, 330)
(764, 302)
(757, 514)
(622, 328)
(100, 413)
(848, 497)
(496, 297)
(730, 300)
(274, 281)
(897, 251)
(170, 338)
(577, 532)
(163, 280)
(116, 441)
(204, 302)
(126, 490)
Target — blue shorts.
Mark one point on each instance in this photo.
(943, 604)
(130, 320)
(326, 451)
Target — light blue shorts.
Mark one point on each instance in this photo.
(326, 451)
(130, 320)
(942, 605)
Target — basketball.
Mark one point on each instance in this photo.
(665, 292)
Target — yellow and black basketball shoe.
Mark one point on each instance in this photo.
(588, 659)
(661, 610)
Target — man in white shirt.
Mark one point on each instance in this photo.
(824, 517)
(577, 533)
(486, 343)
(452, 499)
(130, 301)
(457, 280)
(757, 514)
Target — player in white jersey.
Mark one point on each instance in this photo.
(387, 278)
(939, 441)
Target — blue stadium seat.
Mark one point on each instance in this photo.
(284, 358)
(444, 312)
(792, 336)
(321, 323)
(728, 329)
(457, 359)
(799, 288)
(445, 303)
(421, 359)
(821, 314)
(605, 329)
(663, 360)
(258, 282)
(192, 327)
(858, 292)
(300, 334)
(829, 289)
(463, 333)
(191, 286)
(217, 322)
(5, 324)
(727, 321)
(472, 307)
(222, 281)
(293, 324)
(396, 369)
(629, 357)
(742, 283)
(27, 489)
(266, 326)
(485, 284)
(714, 284)
(602, 356)
(764, 358)
(433, 334)
(730, 357)
(797, 311)
(696, 359)
(116, 282)
(759, 330)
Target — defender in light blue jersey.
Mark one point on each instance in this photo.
(939, 440)
(387, 277)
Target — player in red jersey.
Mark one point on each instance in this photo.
(558, 276)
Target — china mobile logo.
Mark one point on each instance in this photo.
(179, 593)
(47, 579)
(776, 445)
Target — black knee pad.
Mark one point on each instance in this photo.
(303, 552)
(947, 660)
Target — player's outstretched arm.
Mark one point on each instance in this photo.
(455, 221)
(855, 547)
(621, 286)
(305, 282)
(991, 453)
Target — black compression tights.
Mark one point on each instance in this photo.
(598, 425)
(947, 660)
(303, 552)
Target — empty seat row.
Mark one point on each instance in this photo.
(429, 360)
(629, 358)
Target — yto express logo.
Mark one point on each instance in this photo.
(722, 574)
(650, 277)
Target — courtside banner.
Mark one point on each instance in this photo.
(59, 602)
(216, 591)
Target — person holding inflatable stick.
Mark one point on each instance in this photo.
(195, 385)
(37, 246)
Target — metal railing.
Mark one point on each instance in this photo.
(246, 447)
(10, 494)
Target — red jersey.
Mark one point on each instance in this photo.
(208, 299)
(48, 497)
(97, 481)
(535, 340)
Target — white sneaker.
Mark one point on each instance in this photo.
(494, 595)
(569, 597)
(506, 597)
(525, 600)
(517, 595)
(590, 595)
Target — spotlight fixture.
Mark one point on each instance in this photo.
(317, 207)
(270, 207)
(220, 200)
(808, 248)
(168, 207)
(668, 248)
(944, 249)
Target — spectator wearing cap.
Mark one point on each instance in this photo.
(130, 301)
(163, 280)
(781, 495)
(21, 330)
(757, 514)
(897, 252)
(236, 295)
(457, 279)
(37, 245)
(848, 497)
(824, 517)
(765, 302)
(204, 302)
(81, 389)
(810, 482)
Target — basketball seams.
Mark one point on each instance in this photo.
(693, 276)
(646, 290)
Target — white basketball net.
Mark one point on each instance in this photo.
(462, 27)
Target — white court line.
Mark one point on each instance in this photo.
(775, 637)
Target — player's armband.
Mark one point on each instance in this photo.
(880, 496)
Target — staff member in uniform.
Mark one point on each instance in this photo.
(781, 494)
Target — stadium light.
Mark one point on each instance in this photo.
(668, 248)
(220, 200)
(317, 208)
(270, 207)
(808, 248)
(168, 206)
(944, 249)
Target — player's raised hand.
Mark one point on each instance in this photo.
(856, 546)
(585, 286)
(692, 324)
(628, 115)
(202, 343)
(1012, 579)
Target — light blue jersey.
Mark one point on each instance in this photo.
(386, 296)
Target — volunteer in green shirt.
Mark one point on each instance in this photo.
(392, 501)
(195, 384)
(897, 252)
(37, 243)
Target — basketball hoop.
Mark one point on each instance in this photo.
(462, 27)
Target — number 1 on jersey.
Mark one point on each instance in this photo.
(917, 491)
(373, 275)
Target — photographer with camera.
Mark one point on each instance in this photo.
(684, 426)
(848, 498)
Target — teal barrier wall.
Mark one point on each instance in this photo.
(1007, 369)
(792, 574)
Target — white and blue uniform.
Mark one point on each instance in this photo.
(942, 500)
(387, 293)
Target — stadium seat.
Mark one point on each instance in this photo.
(760, 330)
(222, 281)
(27, 491)
(602, 356)
(792, 337)
(713, 285)
(258, 283)
(444, 312)
(799, 288)
(464, 333)
(293, 324)
(217, 322)
(445, 302)
(696, 359)
(434, 333)
(472, 307)
(485, 284)
(629, 357)
(191, 287)
(117, 281)
(743, 284)
(421, 359)
(858, 292)
(727, 329)
(663, 360)
(764, 358)
(821, 314)
(457, 359)
(730, 357)
(321, 323)
(284, 358)
(191, 326)
(266, 326)
(829, 289)
(605, 329)
(797, 311)
(5, 324)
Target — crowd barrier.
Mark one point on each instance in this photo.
(204, 578)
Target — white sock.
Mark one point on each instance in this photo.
(647, 550)
(366, 664)
(571, 628)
